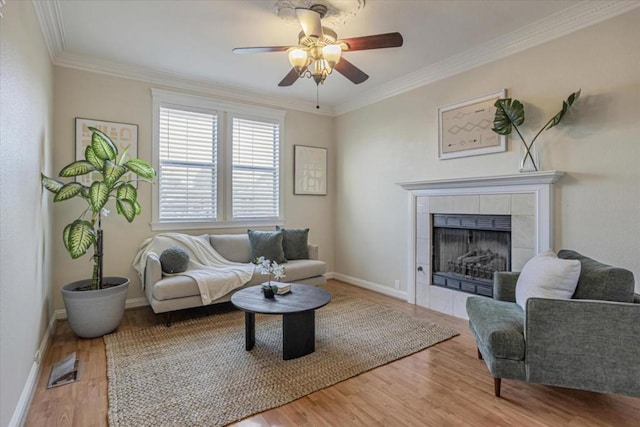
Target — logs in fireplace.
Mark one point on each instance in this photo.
(468, 249)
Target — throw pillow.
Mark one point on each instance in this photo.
(294, 242)
(547, 276)
(267, 244)
(174, 260)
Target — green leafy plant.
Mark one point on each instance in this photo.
(510, 115)
(109, 182)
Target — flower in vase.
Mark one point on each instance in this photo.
(272, 268)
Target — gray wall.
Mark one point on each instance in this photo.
(598, 146)
(97, 96)
(26, 96)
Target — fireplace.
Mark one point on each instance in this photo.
(526, 198)
(468, 249)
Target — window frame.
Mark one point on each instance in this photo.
(225, 111)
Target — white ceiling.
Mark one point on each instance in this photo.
(192, 40)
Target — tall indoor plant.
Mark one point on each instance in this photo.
(95, 306)
(510, 114)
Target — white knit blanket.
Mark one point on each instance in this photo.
(215, 275)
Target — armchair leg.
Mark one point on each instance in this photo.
(167, 319)
(496, 386)
(479, 354)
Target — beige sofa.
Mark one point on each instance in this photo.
(169, 293)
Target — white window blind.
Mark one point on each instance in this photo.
(188, 165)
(255, 165)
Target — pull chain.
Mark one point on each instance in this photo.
(318, 96)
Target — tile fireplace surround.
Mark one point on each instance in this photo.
(527, 197)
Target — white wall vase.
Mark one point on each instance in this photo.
(529, 159)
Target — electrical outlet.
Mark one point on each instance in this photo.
(396, 284)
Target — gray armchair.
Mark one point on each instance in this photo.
(590, 342)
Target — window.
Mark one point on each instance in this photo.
(256, 173)
(187, 172)
(218, 163)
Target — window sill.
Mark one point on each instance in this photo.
(209, 225)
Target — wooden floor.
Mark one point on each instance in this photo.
(445, 385)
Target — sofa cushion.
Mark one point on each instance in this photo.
(600, 281)
(267, 244)
(180, 286)
(174, 260)
(499, 325)
(234, 247)
(303, 268)
(547, 276)
(294, 243)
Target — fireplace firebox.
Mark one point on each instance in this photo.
(468, 249)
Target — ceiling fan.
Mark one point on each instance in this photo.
(319, 51)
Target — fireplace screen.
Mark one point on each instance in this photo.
(468, 249)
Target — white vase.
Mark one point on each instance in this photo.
(95, 313)
(529, 162)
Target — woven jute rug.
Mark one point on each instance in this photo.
(197, 372)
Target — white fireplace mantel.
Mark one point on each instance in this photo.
(540, 177)
(527, 197)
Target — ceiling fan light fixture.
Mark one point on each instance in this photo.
(298, 58)
(321, 71)
(331, 53)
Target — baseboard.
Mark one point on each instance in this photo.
(330, 275)
(136, 302)
(395, 293)
(22, 408)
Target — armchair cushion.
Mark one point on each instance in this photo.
(547, 276)
(600, 281)
(504, 285)
(499, 325)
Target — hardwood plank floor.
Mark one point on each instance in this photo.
(443, 385)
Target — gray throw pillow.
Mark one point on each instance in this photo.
(174, 260)
(295, 242)
(267, 244)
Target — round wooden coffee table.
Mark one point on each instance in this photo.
(298, 316)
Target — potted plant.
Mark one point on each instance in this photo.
(95, 306)
(510, 114)
(272, 269)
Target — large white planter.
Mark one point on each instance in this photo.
(92, 314)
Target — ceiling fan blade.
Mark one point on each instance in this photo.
(290, 78)
(242, 50)
(350, 71)
(310, 22)
(378, 41)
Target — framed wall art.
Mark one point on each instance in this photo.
(464, 128)
(122, 134)
(310, 170)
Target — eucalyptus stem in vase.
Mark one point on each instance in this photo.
(510, 114)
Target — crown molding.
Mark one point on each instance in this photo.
(567, 21)
(560, 24)
(50, 19)
(184, 82)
